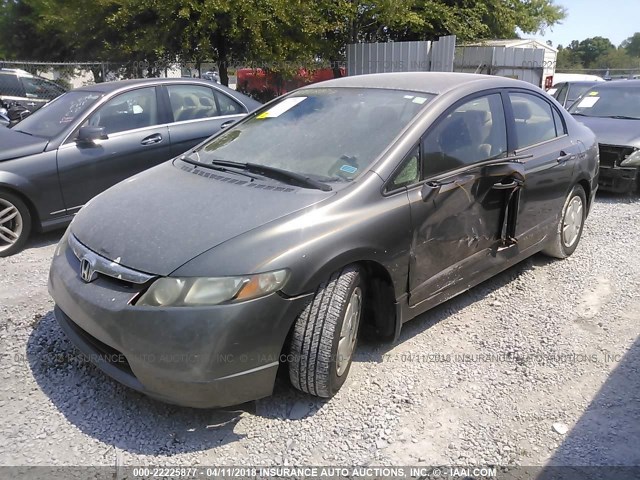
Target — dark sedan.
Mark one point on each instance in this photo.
(612, 111)
(347, 206)
(89, 139)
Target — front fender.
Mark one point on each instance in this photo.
(354, 226)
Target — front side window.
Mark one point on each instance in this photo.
(127, 111)
(533, 119)
(473, 132)
(329, 134)
(409, 172)
(57, 115)
(191, 102)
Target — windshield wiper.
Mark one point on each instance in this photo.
(286, 176)
(292, 178)
(622, 117)
(215, 167)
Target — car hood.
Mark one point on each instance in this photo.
(613, 131)
(16, 144)
(160, 219)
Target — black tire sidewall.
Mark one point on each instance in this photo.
(577, 191)
(335, 381)
(26, 222)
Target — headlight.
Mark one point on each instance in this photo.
(192, 292)
(632, 160)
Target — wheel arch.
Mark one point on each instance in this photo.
(35, 217)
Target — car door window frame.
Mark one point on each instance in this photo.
(71, 138)
(510, 138)
(506, 97)
(233, 100)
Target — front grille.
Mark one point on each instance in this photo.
(612, 155)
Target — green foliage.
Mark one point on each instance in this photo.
(632, 45)
(599, 53)
(278, 33)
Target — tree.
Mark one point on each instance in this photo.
(632, 45)
(591, 49)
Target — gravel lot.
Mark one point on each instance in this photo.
(566, 335)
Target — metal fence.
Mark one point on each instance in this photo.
(421, 56)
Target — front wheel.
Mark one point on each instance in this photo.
(569, 229)
(15, 223)
(326, 333)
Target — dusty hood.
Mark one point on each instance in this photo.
(158, 220)
(14, 144)
(613, 131)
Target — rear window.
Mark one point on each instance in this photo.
(10, 85)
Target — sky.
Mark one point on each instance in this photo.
(613, 19)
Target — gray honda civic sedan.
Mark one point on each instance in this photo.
(344, 208)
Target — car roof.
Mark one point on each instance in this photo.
(619, 84)
(108, 87)
(427, 82)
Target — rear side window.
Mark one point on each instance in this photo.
(10, 85)
(192, 102)
(227, 105)
(560, 127)
(561, 95)
(534, 119)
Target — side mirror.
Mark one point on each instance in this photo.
(87, 136)
(430, 190)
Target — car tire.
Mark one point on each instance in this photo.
(319, 362)
(568, 231)
(15, 223)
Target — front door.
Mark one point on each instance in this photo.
(135, 142)
(459, 211)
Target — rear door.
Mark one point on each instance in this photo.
(198, 111)
(138, 139)
(549, 156)
(458, 208)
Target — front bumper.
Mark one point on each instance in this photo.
(197, 357)
(618, 179)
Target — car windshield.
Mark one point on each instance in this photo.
(609, 102)
(330, 134)
(54, 117)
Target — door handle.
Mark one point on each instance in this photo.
(564, 156)
(226, 124)
(506, 186)
(151, 139)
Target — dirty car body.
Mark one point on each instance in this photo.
(612, 111)
(89, 139)
(194, 281)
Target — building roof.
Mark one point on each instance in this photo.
(511, 43)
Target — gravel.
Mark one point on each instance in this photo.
(537, 365)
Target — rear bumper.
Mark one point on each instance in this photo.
(197, 357)
(617, 179)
